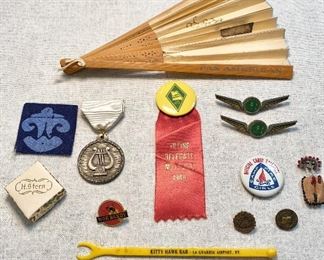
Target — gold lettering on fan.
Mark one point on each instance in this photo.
(237, 30)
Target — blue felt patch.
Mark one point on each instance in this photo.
(47, 129)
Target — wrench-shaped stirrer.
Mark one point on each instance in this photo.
(214, 252)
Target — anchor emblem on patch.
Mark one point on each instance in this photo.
(262, 178)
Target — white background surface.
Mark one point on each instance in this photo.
(34, 35)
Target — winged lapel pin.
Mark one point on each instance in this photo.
(258, 128)
(252, 105)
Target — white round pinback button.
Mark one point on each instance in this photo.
(262, 177)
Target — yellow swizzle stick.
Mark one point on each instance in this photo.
(97, 251)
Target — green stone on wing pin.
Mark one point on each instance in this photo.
(258, 128)
(251, 105)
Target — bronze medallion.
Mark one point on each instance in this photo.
(101, 161)
(244, 222)
(286, 219)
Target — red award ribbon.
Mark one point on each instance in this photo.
(180, 187)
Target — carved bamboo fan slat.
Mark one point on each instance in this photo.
(214, 37)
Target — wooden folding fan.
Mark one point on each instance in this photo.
(215, 37)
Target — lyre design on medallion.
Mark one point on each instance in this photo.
(45, 122)
(101, 160)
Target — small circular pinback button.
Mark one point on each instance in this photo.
(286, 219)
(176, 98)
(262, 177)
(111, 213)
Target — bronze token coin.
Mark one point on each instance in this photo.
(244, 222)
(286, 219)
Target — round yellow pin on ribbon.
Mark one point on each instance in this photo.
(176, 98)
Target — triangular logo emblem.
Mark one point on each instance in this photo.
(262, 178)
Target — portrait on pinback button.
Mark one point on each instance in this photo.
(47, 129)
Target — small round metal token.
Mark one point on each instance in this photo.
(244, 222)
(286, 219)
(262, 177)
(176, 98)
(101, 161)
(111, 213)
(252, 105)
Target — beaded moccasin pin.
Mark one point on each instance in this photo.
(312, 185)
